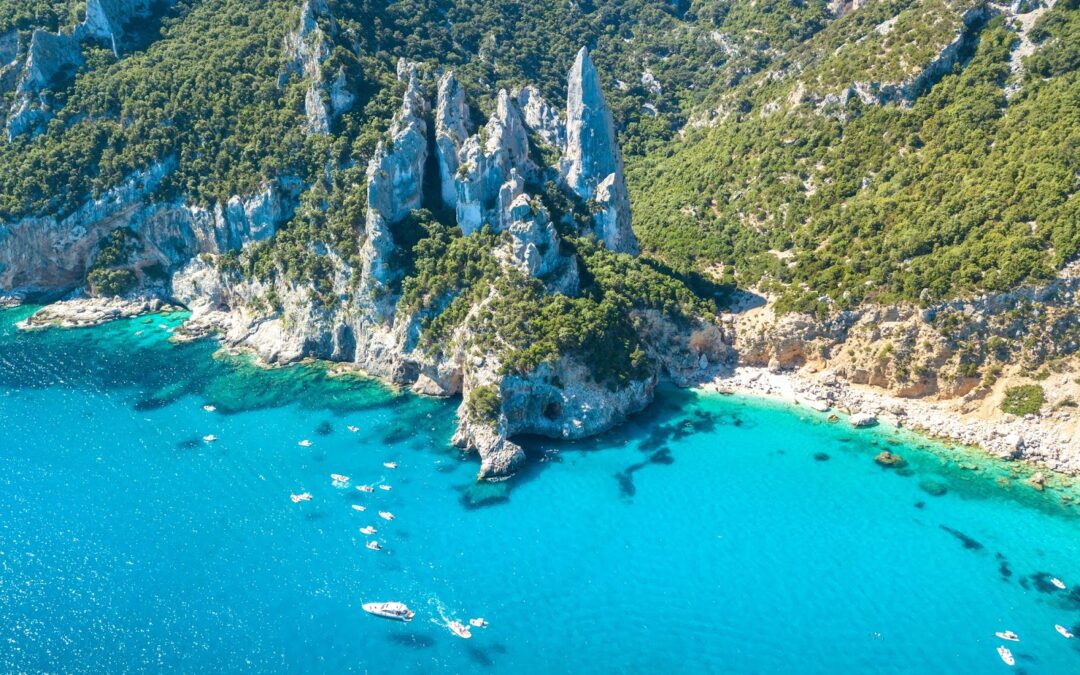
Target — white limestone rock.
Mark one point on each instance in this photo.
(451, 131)
(593, 158)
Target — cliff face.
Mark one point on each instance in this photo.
(489, 179)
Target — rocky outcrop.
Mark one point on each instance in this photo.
(451, 131)
(541, 117)
(355, 312)
(488, 162)
(42, 258)
(395, 186)
(593, 166)
(84, 312)
(307, 48)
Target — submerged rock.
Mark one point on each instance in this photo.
(889, 460)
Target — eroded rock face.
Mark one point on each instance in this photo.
(451, 131)
(395, 184)
(487, 162)
(541, 117)
(593, 161)
(47, 257)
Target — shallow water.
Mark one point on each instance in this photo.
(702, 537)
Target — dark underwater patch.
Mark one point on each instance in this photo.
(189, 444)
(969, 543)
(626, 483)
(821, 456)
(1003, 566)
(920, 505)
(662, 456)
(933, 488)
(480, 657)
(151, 403)
(479, 494)
(324, 429)
(412, 640)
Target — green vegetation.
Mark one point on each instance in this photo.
(48, 14)
(965, 191)
(1026, 399)
(484, 404)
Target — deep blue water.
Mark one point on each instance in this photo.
(702, 537)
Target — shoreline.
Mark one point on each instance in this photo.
(1005, 437)
(1008, 438)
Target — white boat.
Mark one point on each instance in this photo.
(1008, 635)
(385, 487)
(1063, 630)
(302, 497)
(1058, 582)
(386, 515)
(374, 546)
(369, 530)
(459, 630)
(209, 408)
(390, 465)
(1006, 655)
(340, 480)
(478, 622)
(209, 438)
(357, 507)
(352, 428)
(396, 611)
(365, 488)
(305, 443)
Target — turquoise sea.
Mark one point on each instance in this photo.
(710, 534)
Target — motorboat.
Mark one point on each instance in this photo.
(1006, 655)
(339, 479)
(209, 408)
(352, 428)
(386, 515)
(478, 622)
(357, 507)
(390, 465)
(209, 438)
(302, 497)
(1063, 630)
(387, 488)
(369, 530)
(459, 630)
(1058, 582)
(365, 488)
(1008, 635)
(396, 611)
(374, 546)
(305, 443)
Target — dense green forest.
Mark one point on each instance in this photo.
(739, 165)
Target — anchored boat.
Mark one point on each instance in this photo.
(396, 611)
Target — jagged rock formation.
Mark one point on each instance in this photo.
(593, 167)
(492, 180)
(451, 131)
(395, 183)
(307, 48)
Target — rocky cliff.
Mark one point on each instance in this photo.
(497, 191)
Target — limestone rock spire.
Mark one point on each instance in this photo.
(593, 166)
(451, 131)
